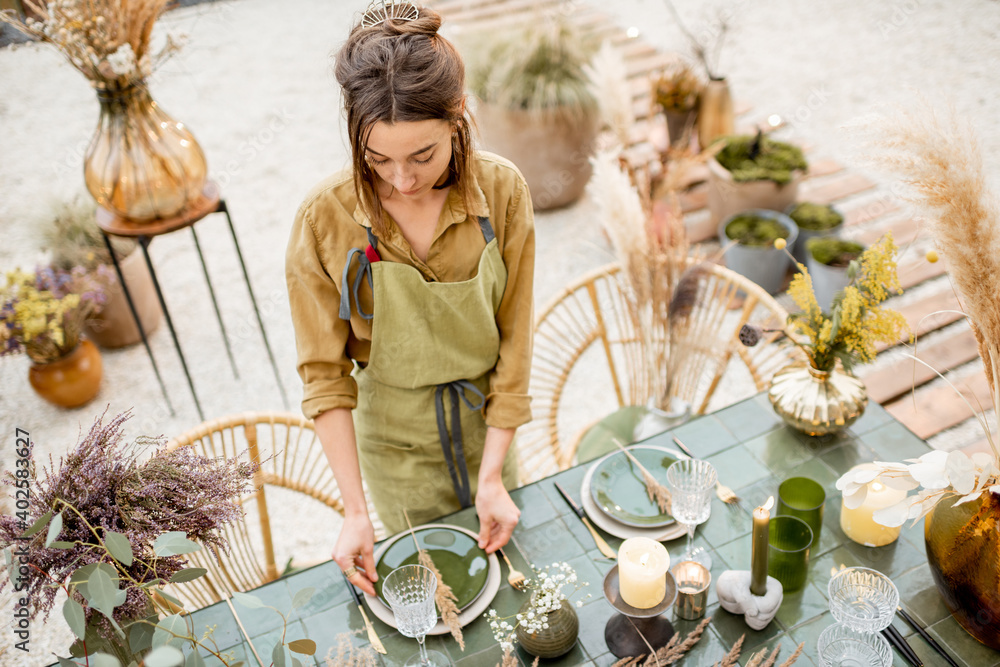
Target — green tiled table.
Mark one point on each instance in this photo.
(753, 451)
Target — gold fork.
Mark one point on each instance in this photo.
(723, 492)
(515, 578)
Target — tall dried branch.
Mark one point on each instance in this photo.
(938, 158)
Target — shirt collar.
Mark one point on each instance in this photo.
(454, 203)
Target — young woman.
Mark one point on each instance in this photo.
(410, 285)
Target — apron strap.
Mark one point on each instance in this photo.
(487, 228)
(457, 468)
(365, 259)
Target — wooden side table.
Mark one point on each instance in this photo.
(210, 202)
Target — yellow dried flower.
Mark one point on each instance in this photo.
(932, 256)
(780, 244)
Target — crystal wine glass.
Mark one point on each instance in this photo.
(862, 599)
(692, 483)
(409, 590)
(840, 646)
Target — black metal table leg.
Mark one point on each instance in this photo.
(138, 322)
(215, 303)
(246, 276)
(144, 243)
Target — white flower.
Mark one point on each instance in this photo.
(961, 472)
(122, 61)
(930, 470)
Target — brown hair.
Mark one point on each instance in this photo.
(400, 71)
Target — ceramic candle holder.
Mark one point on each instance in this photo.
(627, 632)
(733, 589)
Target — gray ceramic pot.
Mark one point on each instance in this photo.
(765, 265)
(800, 253)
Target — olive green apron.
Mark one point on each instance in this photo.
(419, 421)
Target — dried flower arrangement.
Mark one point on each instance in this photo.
(42, 313)
(659, 282)
(547, 595)
(677, 87)
(70, 233)
(706, 53)
(855, 322)
(108, 41)
(105, 515)
(938, 157)
(444, 596)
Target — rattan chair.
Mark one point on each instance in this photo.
(294, 485)
(587, 361)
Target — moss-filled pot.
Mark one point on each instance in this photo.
(768, 180)
(762, 263)
(827, 259)
(963, 551)
(813, 221)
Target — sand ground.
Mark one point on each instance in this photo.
(254, 85)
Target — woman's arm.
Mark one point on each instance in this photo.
(356, 542)
(497, 512)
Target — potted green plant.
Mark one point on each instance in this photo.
(829, 260)
(42, 314)
(70, 233)
(751, 250)
(753, 171)
(676, 91)
(536, 107)
(813, 220)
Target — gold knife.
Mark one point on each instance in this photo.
(602, 546)
(372, 637)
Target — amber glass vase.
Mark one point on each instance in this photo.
(817, 402)
(141, 163)
(963, 550)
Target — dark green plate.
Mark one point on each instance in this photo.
(619, 491)
(463, 565)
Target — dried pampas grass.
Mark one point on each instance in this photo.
(656, 492)
(444, 597)
(345, 654)
(937, 155)
(608, 77)
(651, 246)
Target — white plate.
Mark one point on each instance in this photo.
(469, 614)
(614, 526)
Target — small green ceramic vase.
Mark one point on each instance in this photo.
(557, 639)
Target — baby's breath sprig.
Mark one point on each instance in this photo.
(547, 595)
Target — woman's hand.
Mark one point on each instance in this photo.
(354, 549)
(497, 515)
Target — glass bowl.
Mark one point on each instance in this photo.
(840, 646)
(862, 599)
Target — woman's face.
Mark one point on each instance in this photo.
(411, 156)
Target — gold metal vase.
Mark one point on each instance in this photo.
(141, 163)
(963, 551)
(817, 402)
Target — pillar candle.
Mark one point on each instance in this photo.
(758, 557)
(859, 524)
(642, 572)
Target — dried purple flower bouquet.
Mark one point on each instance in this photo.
(103, 491)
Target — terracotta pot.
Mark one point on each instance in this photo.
(726, 197)
(141, 163)
(557, 639)
(715, 112)
(817, 402)
(114, 326)
(70, 381)
(551, 148)
(963, 550)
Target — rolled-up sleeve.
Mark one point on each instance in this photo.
(321, 337)
(508, 403)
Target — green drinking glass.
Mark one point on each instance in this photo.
(804, 498)
(789, 539)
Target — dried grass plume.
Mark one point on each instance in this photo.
(444, 597)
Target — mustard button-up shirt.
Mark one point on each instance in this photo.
(331, 221)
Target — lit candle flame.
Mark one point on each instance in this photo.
(877, 486)
(644, 559)
(769, 504)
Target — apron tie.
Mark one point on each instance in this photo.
(459, 477)
(365, 259)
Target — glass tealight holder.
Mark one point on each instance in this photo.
(804, 498)
(789, 540)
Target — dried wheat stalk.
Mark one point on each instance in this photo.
(657, 493)
(733, 657)
(938, 157)
(671, 653)
(348, 655)
(444, 597)
(793, 657)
